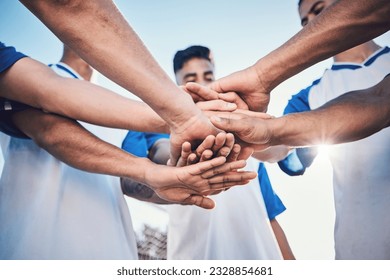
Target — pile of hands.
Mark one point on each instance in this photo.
(208, 151)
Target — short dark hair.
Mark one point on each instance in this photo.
(191, 52)
(299, 3)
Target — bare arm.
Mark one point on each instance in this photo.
(350, 117)
(159, 153)
(272, 154)
(282, 240)
(87, 25)
(71, 143)
(43, 89)
(341, 26)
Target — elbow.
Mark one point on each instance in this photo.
(49, 134)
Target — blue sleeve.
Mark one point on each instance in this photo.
(8, 56)
(151, 138)
(301, 158)
(135, 143)
(273, 204)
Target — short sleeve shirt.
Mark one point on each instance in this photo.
(8, 57)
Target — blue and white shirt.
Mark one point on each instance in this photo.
(8, 57)
(361, 169)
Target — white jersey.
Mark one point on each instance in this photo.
(49, 210)
(361, 169)
(238, 228)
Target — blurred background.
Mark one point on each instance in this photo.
(238, 33)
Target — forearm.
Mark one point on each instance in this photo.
(69, 142)
(350, 117)
(87, 26)
(272, 154)
(76, 99)
(343, 25)
(140, 191)
(282, 240)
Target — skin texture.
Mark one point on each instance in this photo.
(87, 25)
(68, 97)
(69, 142)
(335, 122)
(359, 21)
(197, 71)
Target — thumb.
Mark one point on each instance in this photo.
(200, 201)
(226, 124)
(174, 154)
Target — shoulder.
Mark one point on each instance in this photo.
(299, 102)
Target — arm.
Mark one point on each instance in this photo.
(359, 21)
(282, 240)
(272, 154)
(86, 27)
(70, 97)
(350, 117)
(160, 152)
(71, 143)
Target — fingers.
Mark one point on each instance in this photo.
(174, 154)
(227, 124)
(204, 93)
(234, 98)
(228, 146)
(192, 159)
(216, 105)
(229, 166)
(223, 186)
(199, 200)
(185, 153)
(202, 167)
(206, 155)
(207, 144)
(219, 142)
(232, 178)
(235, 152)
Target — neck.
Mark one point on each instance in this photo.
(79, 65)
(357, 54)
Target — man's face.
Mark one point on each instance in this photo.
(309, 9)
(196, 70)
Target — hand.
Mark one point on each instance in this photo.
(190, 185)
(212, 146)
(251, 128)
(194, 131)
(248, 85)
(201, 93)
(224, 145)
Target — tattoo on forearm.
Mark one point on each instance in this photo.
(137, 190)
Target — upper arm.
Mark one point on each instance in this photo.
(30, 82)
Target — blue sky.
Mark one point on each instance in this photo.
(239, 33)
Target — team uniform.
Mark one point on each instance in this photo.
(361, 169)
(238, 228)
(49, 210)
(8, 57)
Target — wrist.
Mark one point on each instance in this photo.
(183, 112)
(267, 73)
